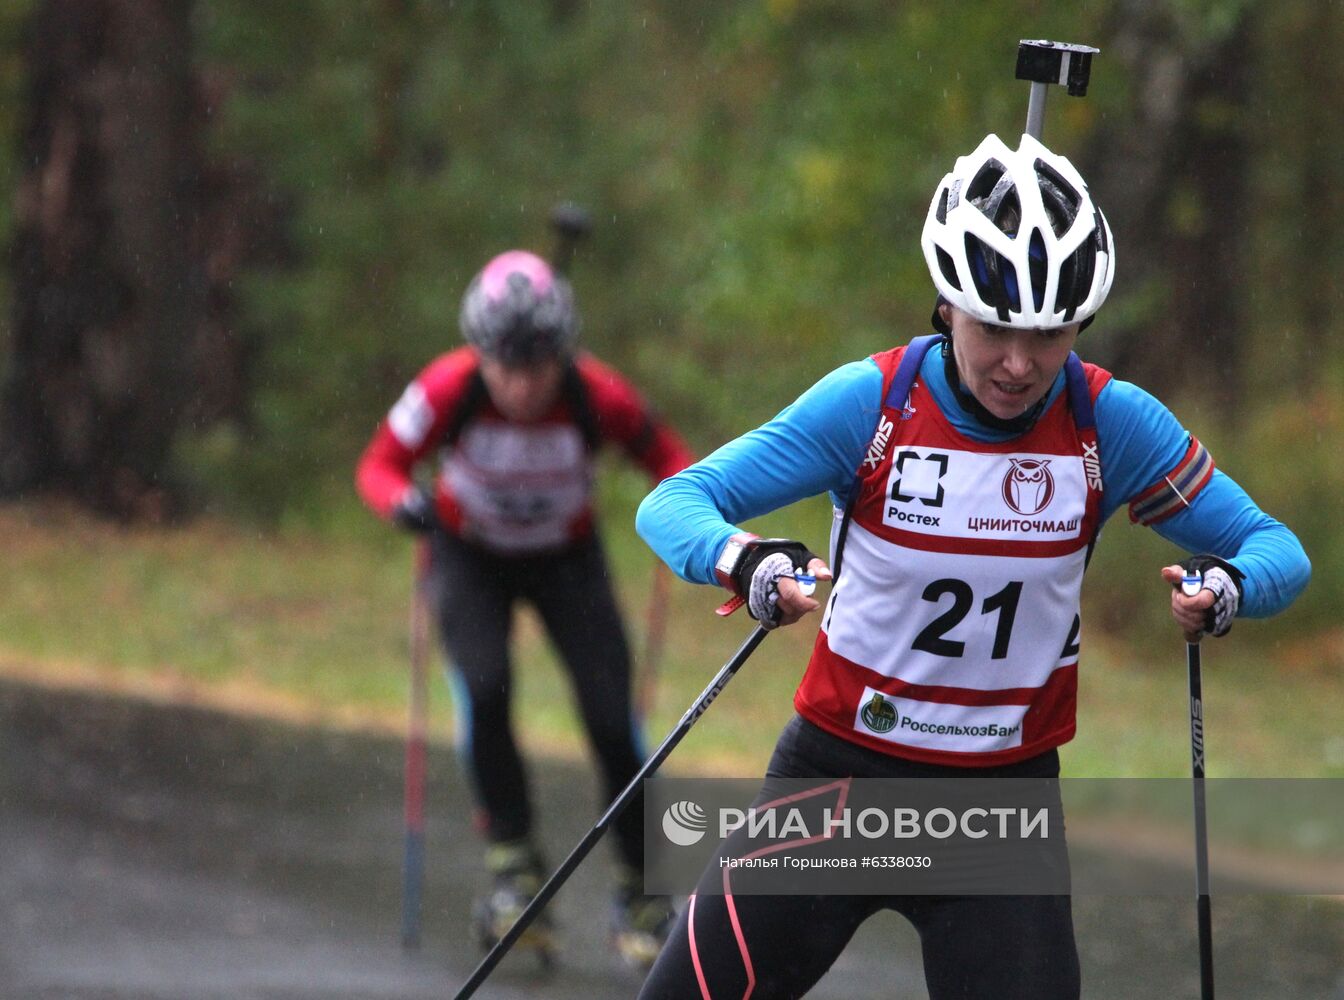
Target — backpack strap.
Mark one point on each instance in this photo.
(908, 369)
(575, 393)
(897, 393)
(467, 407)
(572, 390)
(1085, 419)
(1080, 396)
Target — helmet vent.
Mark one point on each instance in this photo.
(995, 277)
(994, 193)
(1061, 198)
(948, 268)
(1100, 232)
(1075, 279)
(985, 179)
(1039, 268)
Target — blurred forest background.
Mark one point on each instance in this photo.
(237, 228)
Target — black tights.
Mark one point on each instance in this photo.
(974, 947)
(474, 592)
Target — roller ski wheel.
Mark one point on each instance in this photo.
(516, 881)
(640, 925)
(493, 916)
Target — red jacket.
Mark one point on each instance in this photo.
(512, 487)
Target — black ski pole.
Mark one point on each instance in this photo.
(1191, 584)
(417, 725)
(614, 810)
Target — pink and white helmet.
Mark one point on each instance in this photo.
(519, 311)
(1004, 215)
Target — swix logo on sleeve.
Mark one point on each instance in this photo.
(1092, 465)
(879, 444)
(878, 447)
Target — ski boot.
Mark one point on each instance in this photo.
(640, 924)
(518, 874)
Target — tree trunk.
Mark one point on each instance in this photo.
(106, 294)
(1173, 183)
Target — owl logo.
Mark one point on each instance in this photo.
(1028, 486)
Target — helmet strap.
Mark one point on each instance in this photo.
(975, 408)
(937, 321)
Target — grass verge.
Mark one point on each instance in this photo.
(314, 627)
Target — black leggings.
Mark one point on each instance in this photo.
(474, 592)
(973, 946)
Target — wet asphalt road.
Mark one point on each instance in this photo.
(150, 852)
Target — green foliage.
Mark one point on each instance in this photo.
(1290, 461)
(758, 172)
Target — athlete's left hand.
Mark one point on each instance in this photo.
(1188, 611)
(793, 603)
(1209, 612)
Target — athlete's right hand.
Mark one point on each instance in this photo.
(765, 580)
(415, 511)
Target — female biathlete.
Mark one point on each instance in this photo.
(970, 473)
(512, 420)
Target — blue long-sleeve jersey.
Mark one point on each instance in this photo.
(816, 444)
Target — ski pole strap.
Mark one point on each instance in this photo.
(745, 553)
(1209, 572)
(897, 394)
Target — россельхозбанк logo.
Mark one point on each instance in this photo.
(879, 715)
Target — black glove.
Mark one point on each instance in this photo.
(756, 576)
(1224, 580)
(416, 512)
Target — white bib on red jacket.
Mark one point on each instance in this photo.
(952, 633)
(519, 487)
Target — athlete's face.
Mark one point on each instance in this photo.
(1006, 369)
(522, 393)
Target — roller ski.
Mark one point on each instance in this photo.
(640, 924)
(517, 873)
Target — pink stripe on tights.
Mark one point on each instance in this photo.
(741, 948)
(741, 939)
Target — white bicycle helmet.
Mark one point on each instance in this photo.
(519, 311)
(1001, 214)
